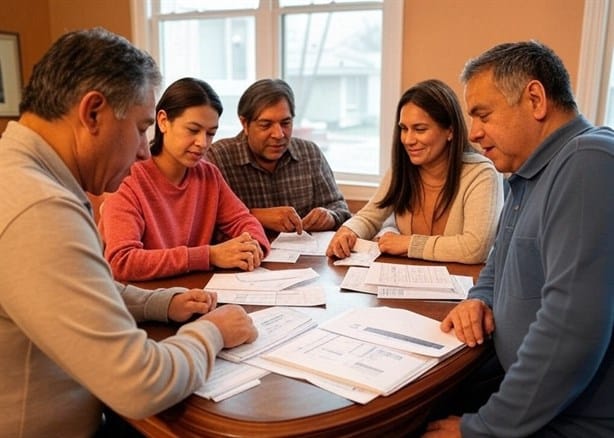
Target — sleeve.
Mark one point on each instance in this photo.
(484, 287)
(122, 226)
(327, 193)
(148, 305)
(481, 201)
(370, 219)
(565, 346)
(63, 297)
(234, 218)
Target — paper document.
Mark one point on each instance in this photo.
(277, 255)
(409, 276)
(354, 280)
(260, 279)
(345, 390)
(275, 325)
(298, 296)
(354, 362)
(228, 379)
(314, 243)
(364, 253)
(395, 328)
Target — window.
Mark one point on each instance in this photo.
(608, 118)
(334, 54)
(595, 90)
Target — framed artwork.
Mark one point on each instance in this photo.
(10, 74)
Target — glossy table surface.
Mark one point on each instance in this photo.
(285, 407)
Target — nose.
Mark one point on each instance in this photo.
(143, 152)
(476, 133)
(277, 131)
(407, 137)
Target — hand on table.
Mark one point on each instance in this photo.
(235, 325)
(242, 252)
(472, 320)
(393, 243)
(341, 244)
(319, 219)
(194, 301)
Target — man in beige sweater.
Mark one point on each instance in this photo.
(68, 336)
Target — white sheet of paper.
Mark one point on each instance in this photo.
(354, 280)
(395, 328)
(347, 391)
(229, 378)
(375, 368)
(364, 253)
(314, 243)
(409, 276)
(277, 255)
(298, 296)
(275, 325)
(261, 279)
(462, 284)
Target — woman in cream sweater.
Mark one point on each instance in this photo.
(441, 200)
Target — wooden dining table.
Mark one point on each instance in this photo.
(285, 407)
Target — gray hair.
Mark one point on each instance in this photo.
(262, 94)
(515, 64)
(87, 60)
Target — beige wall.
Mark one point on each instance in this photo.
(39, 22)
(114, 15)
(439, 36)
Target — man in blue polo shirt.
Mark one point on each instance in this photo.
(546, 294)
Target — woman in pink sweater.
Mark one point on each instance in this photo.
(163, 219)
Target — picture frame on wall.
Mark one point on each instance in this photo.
(10, 74)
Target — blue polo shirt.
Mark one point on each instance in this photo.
(550, 283)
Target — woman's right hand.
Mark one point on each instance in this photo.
(242, 252)
(342, 243)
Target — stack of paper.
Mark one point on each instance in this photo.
(275, 325)
(374, 350)
(287, 247)
(364, 253)
(388, 280)
(228, 379)
(268, 288)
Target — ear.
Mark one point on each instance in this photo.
(90, 107)
(162, 121)
(538, 99)
(244, 123)
(450, 134)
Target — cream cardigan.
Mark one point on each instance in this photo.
(472, 221)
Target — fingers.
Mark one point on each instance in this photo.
(296, 224)
(470, 319)
(318, 219)
(342, 243)
(248, 254)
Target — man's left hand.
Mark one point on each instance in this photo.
(446, 428)
(319, 219)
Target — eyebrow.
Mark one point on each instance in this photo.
(273, 121)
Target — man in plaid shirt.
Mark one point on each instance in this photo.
(285, 181)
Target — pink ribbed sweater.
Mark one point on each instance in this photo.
(152, 228)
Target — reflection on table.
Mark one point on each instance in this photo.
(285, 407)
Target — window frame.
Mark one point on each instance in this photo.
(596, 53)
(268, 64)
